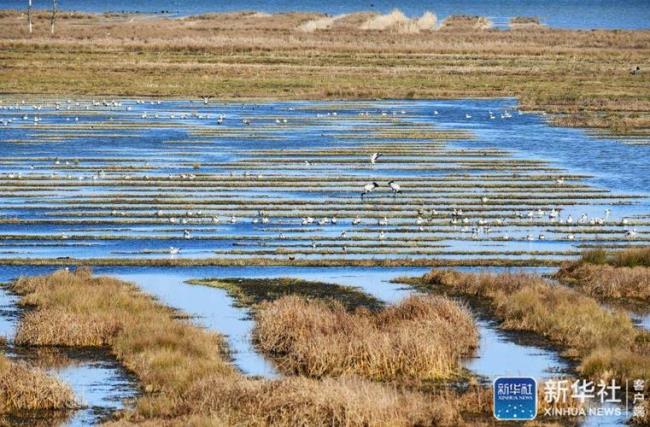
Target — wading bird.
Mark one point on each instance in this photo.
(395, 187)
(374, 158)
(368, 188)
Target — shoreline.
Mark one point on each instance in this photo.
(579, 78)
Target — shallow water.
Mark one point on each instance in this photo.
(139, 195)
(98, 381)
(563, 13)
(213, 309)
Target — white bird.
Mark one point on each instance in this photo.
(383, 221)
(374, 157)
(468, 116)
(368, 188)
(356, 221)
(395, 187)
(173, 250)
(631, 234)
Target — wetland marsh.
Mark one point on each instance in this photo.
(274, 189)
(301, 219)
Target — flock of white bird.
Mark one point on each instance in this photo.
(456, 218)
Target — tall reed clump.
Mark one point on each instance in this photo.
(464, 22)
(186, 379)
(419, 339)
(623, 275)
(605, 341)
(397, 21)
(23, 388)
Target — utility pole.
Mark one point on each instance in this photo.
(53, 16)
(29, 15)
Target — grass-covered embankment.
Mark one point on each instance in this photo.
(319, 329)
(615, 276)
(605, 342)
(419, 339)
(185, 373)
(25, 389)
(249, 292)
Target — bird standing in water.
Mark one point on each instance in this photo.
(368, 188)
(395, 187)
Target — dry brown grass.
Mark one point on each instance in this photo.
(608, 282)
(581, 77)
(185, 376)
(631, 257)
(302, 401)
(605, 341)
(419, 339)
(464, 22)
(396, 21)
(76, 309)
(621, 275)
(24, 388)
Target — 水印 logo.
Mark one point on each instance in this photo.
(515, 398)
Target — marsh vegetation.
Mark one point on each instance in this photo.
(580, 77)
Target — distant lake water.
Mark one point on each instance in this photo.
(580, 14)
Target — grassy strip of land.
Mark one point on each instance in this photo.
(632, 257)
(248, 261)
(319, 329)
(25, 389)
(618, 275)
(185, 375)
(581, 77)
(249, 292)
(294, 315)
(604, 341)
(419, 339)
